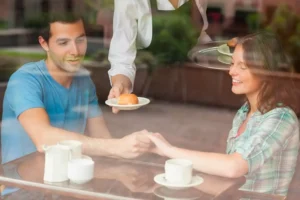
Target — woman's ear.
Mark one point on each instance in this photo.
(43, 43)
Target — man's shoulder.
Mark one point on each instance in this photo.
(29, 72)
(28, 69)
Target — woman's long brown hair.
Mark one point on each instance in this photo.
(264, 55)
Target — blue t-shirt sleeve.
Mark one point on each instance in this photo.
(93, 107)
(24, 92)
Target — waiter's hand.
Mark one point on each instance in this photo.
(120, 85)
(115, 92)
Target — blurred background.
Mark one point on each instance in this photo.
(186, 82)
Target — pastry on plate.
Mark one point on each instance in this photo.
(128, 99)
(232, 43)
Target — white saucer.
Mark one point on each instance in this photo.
(160, 179)
(224, 49)
(170, 194)
(114, 103)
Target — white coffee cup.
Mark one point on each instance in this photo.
(86, 157)
(81, 170)
(75, 147)
(178, 171)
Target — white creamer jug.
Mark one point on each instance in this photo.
(56, 163)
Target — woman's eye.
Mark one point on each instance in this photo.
(243, 67)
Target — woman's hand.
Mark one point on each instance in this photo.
(162, 146)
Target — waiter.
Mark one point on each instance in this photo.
(132, 30)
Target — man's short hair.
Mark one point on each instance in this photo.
(67, 18)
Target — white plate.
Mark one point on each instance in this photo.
(224, 59)
(160, 179)
(114, 103)
(224, 49)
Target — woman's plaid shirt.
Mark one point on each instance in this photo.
(270, 145)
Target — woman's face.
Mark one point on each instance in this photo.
(243, 80)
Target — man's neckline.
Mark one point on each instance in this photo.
(54, 80)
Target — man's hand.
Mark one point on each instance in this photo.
(133, 145)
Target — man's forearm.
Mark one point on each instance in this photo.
(90, 146)
(100, 147)
(125, 26)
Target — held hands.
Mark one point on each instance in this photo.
(137, 143)
(134, 145)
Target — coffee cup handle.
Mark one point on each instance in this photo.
(70, 150)
(45, 147)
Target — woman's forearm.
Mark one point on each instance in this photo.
(212, 163)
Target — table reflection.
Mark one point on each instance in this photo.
(113, 179)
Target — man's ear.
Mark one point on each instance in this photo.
(43, 43)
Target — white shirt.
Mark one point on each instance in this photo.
(132, 30)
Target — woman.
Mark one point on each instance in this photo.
(264, 140)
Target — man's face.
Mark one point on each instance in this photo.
(67, 45)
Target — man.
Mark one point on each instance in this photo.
(55, 99)
(132, 27)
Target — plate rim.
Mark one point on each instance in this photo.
(222, 52)
(201, 180)
(128, 106)
(222, 61)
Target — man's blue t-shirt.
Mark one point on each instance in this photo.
(32, 86)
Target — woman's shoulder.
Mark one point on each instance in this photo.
(281, 113)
